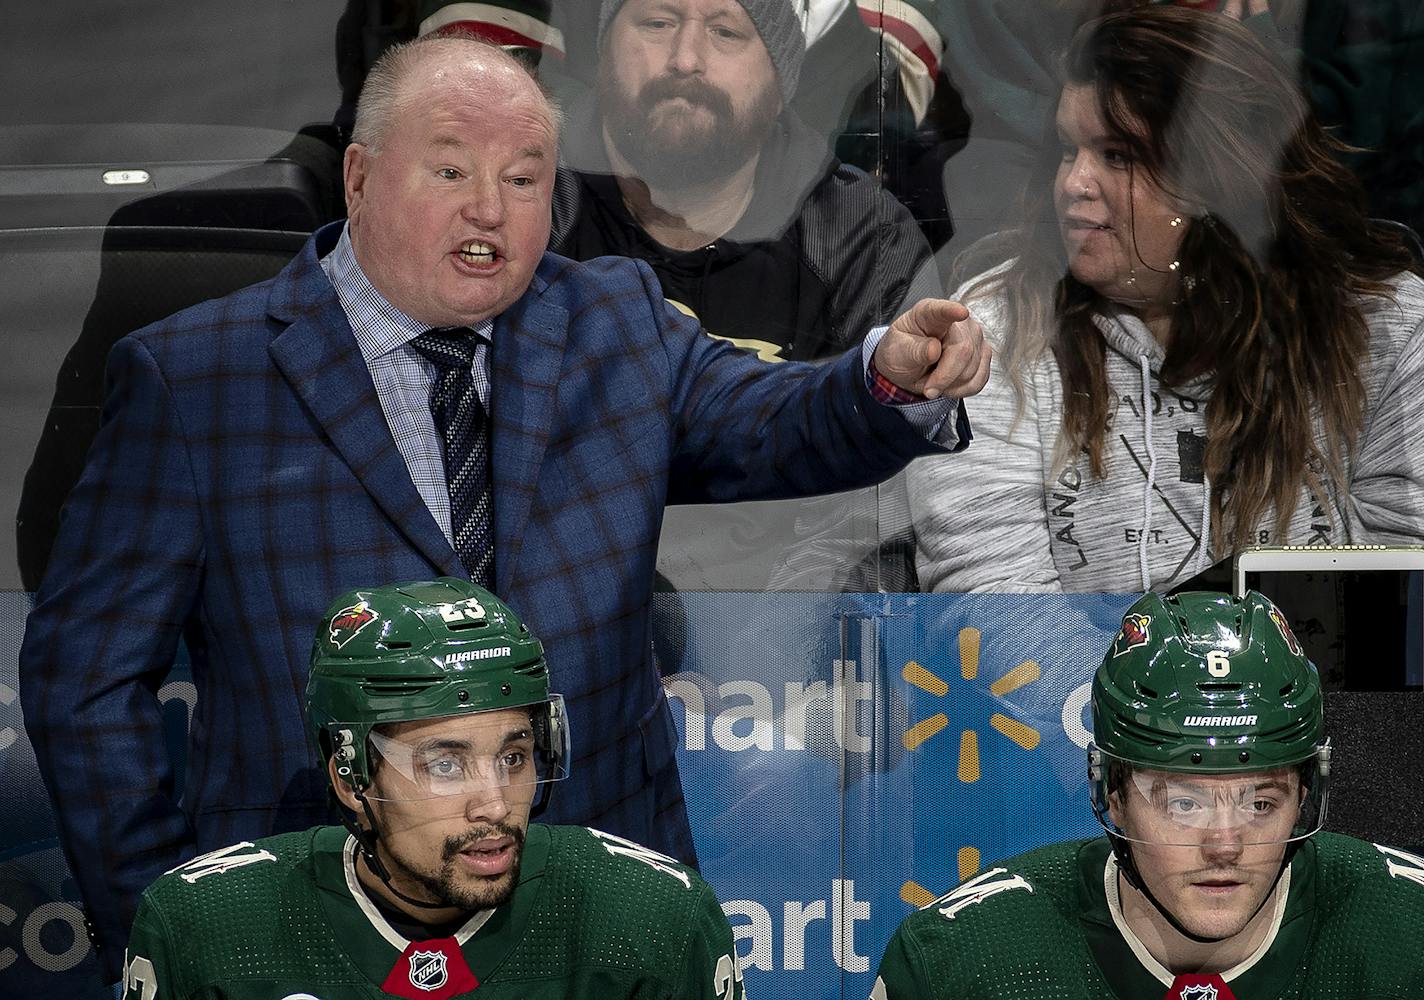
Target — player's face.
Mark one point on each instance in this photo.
(1209, 847)
(453, 806)
(450, 216)
(1120, 231)
(687, 88)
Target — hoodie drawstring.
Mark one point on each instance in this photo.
(1151, 471)
(1198, 563)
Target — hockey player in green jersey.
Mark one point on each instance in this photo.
(429, 705)
(1210, 774)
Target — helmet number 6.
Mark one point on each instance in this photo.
(1217, 664)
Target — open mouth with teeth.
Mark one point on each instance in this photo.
(489, 858)
(477, 253)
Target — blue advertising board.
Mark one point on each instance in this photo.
(848, 758)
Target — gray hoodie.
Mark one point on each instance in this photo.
(1000, 518)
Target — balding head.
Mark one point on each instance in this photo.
(407, 75)
(450, 179)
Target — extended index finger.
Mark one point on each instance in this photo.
(963, 358)
(936, 317)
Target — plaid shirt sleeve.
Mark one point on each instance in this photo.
(928, 416)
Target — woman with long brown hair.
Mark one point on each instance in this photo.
(1205, 343)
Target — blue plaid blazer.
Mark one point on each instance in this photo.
(244, 475)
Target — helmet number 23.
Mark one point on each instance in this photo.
(466, 610)
(1217, 664)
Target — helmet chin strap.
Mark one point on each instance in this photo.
(366, 838)
(1127, 865)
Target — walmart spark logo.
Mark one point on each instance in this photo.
(968, 767)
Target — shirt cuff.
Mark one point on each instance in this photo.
(928, 416)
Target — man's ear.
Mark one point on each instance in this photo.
(342, 788)
(355, 166)
(1115, 809)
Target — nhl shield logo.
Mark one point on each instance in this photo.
(428, 972)
(1207, 992)
(348, 622)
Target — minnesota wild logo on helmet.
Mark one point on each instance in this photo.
(425, 650)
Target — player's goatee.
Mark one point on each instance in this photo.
(483, 893)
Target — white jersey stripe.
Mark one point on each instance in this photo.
(530, 27)
(393, 937)
(1160, 971)
(914, 77)
(903, 12)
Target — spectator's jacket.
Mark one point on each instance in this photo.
(822, 254)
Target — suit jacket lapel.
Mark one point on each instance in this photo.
(318, 356)
(528, 354)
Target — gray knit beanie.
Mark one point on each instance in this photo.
(776, 23)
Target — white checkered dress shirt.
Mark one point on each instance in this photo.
(403, 378)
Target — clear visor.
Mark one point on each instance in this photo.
(1178, 809)
(504, 752)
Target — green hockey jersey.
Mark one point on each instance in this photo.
(593, 917)
(1046, 926)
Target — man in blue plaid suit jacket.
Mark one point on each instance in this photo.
(257, 457)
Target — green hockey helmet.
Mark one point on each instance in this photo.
(1197, 688)
(413, 652)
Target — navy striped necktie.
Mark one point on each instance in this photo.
(463, 425)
